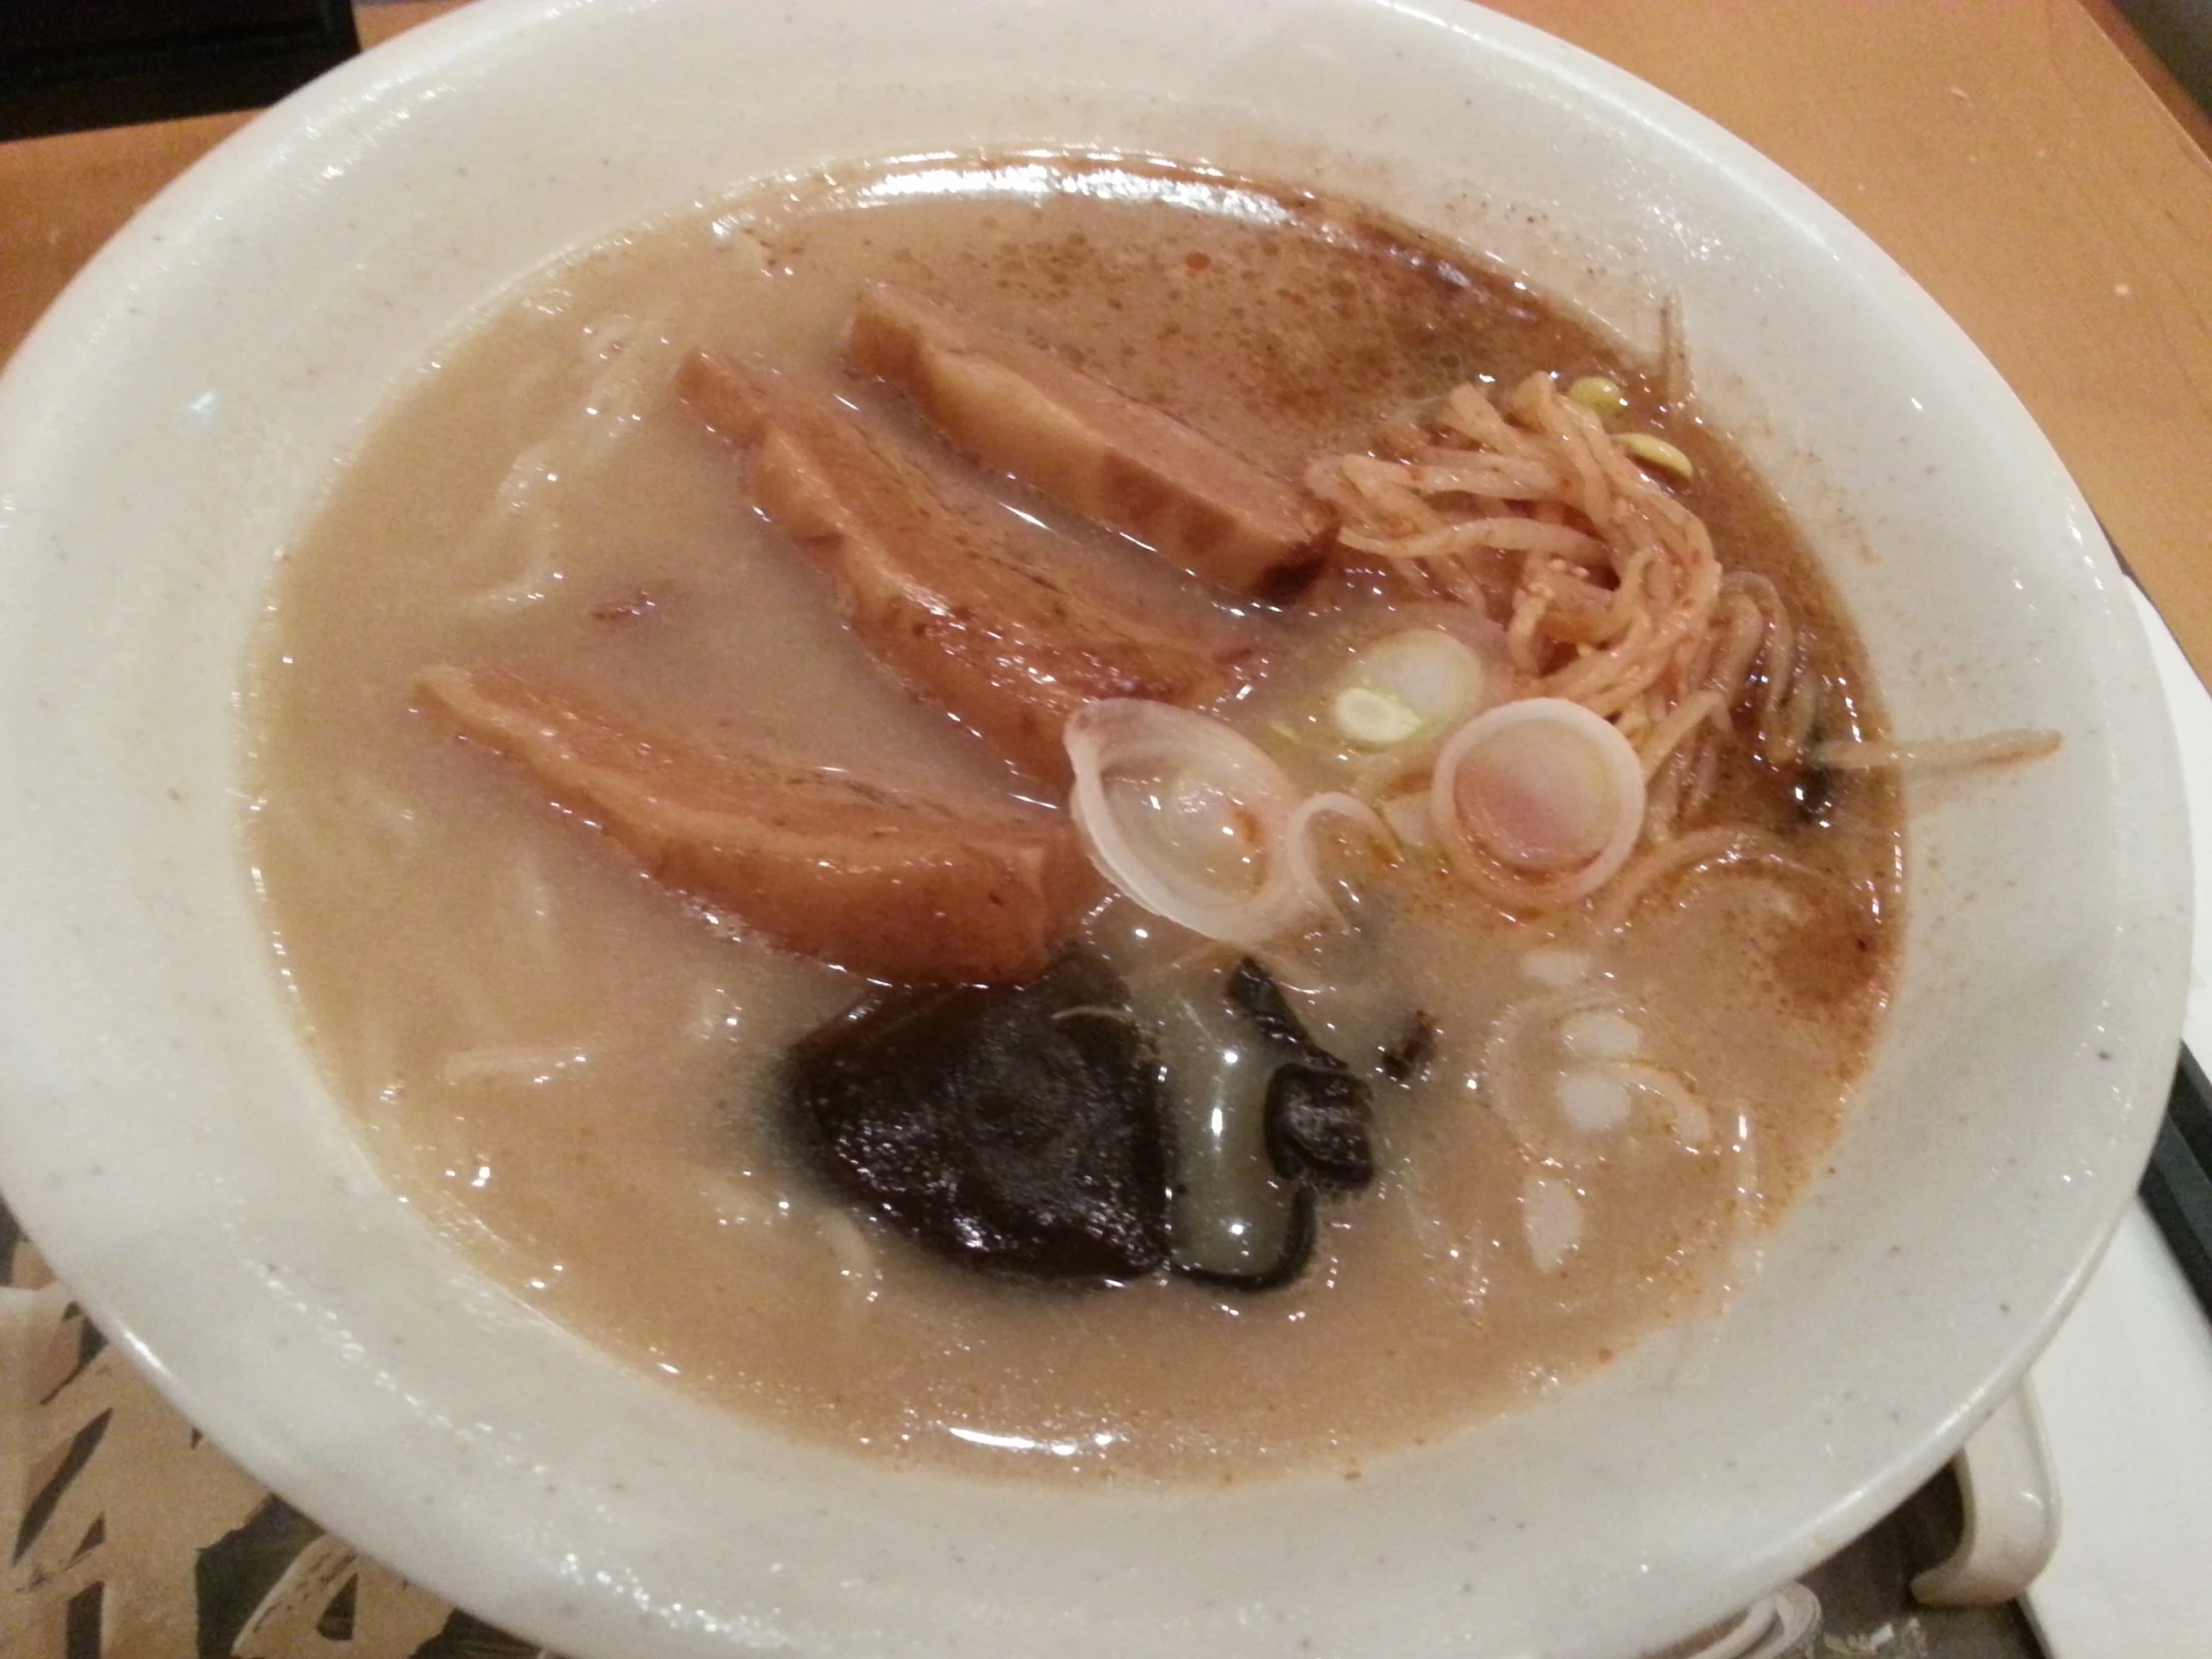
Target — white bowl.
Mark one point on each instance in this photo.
(163, 1134)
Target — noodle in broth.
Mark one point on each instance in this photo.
(1582, 1106)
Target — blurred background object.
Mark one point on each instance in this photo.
(2180, 32)
(68, 65)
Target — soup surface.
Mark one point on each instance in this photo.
(573, 1070)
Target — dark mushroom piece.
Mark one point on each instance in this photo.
(1016, 1129)
(1317, 1111)
(1233, 1221)
(1253, 992)
(1405, 1058)
(1317, 1127)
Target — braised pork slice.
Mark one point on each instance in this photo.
(1120, 462)
(882, 880)
(955, 606)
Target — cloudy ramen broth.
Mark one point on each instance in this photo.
(570, 1069)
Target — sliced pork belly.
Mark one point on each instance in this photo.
(879, 878)
(1122, 464)
(956, 607)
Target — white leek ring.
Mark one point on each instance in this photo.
(1297, 838)
(1536, 875)
(1131, 735)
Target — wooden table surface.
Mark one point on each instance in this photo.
(2025, 160)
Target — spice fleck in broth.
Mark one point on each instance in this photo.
(1535, 1127)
